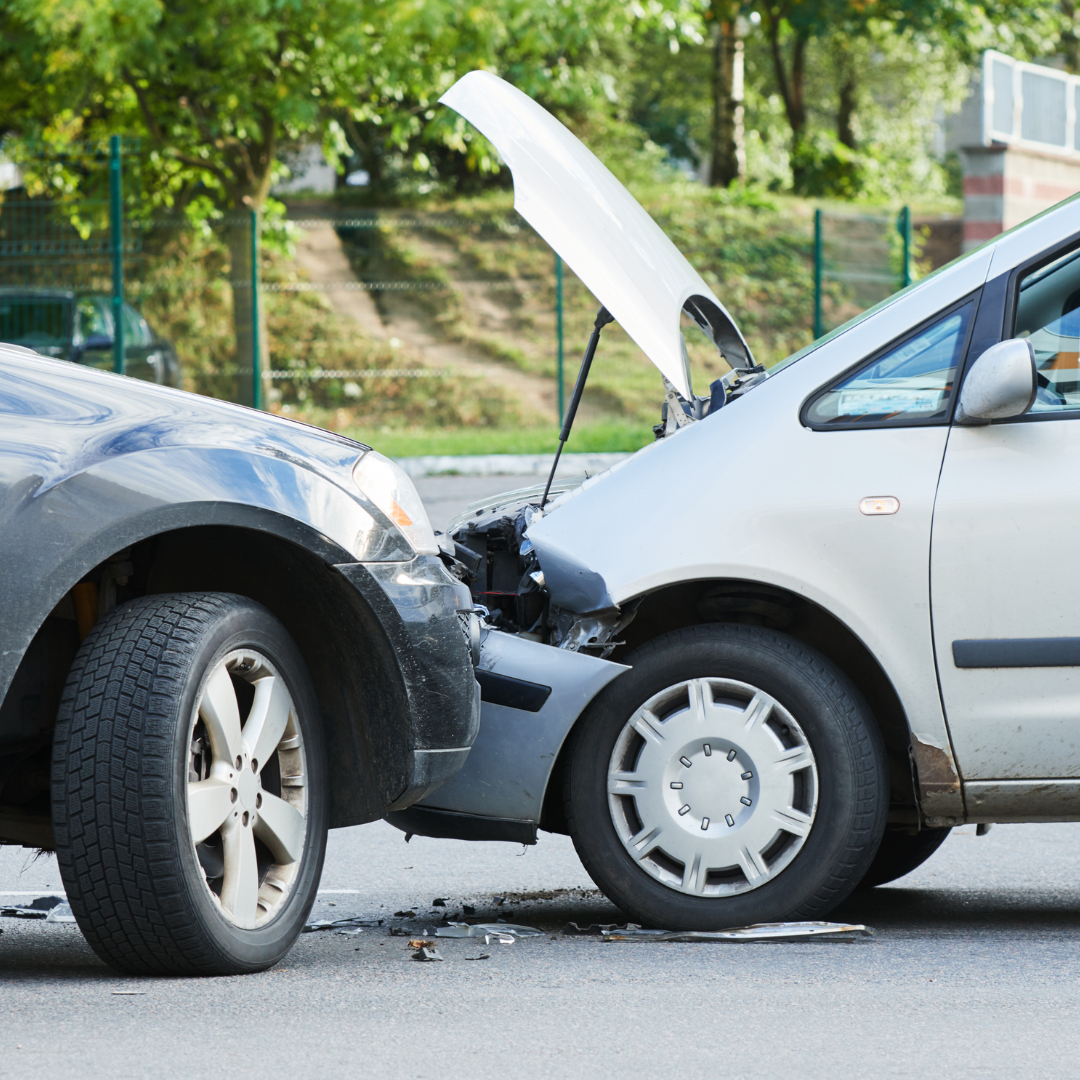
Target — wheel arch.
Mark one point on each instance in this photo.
(728, 600)
(290, 569)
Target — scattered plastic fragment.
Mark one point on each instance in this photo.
(572, 928)
(61, 913)
(785, 931)
(353, 932)
(420, 943)
(482, 956)
(340, 925)
(425, 951)
(36, 909)
(410, 914)
(128, 993)
(477, 930)
(468, 909)
(398, 931)
(438, 902)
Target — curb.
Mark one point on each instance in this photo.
(508, 464)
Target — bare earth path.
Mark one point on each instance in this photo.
(398, 316)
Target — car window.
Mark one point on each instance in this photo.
(1048, 313)
(136, 332)
(912, 382)
(92, 318)
(32, 321)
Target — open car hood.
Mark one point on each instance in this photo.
(599, 229)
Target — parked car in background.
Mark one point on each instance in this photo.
(827, 616)
(79, 327)
(223, 633)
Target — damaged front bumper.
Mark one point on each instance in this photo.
(532, 696)
(432, 636)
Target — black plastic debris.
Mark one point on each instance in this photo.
(438, 902)
(410, 914)
(482, 956)
(36, 909)
(468, 909)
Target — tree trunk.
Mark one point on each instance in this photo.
(845, 112)
(238, 240)
(792, 86)
(729, 152)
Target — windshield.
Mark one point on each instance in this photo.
(34, 321)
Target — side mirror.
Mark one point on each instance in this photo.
(97, 341)
(1000, 384)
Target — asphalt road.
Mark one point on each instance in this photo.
(974, 971)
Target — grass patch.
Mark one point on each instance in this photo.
(589, 438)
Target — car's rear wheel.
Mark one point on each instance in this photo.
(900, 852)
(189, 790)
(732, 776)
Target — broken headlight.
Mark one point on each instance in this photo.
(390, 489)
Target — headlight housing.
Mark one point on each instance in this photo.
(388, 486)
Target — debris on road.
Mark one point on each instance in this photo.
(36, 909)
(410, 914)
(503, 933)
(572, 929)
(426, 952)
(785, 931)
(468, 909)
(438, 902)
(342, 926)
(128, 993)
(61, 913)
(482, 956)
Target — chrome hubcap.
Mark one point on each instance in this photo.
(246, 793)
(712, 787)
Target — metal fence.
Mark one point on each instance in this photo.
(90, 270)
(859, 260)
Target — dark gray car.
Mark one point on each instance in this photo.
(80, 327)
(223, 633)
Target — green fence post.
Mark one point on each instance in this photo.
(256, 374)
(819, 327)
(116, 245)
(903, 224)
(559, 331)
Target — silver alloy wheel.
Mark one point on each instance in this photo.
(246, 792)
(712, 787)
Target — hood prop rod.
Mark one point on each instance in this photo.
(603, 317)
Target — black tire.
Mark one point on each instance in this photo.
(851, 781)
(900, 853)
(124, 751)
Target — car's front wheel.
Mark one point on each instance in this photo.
(189, 787)
(733, 776)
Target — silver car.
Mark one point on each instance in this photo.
(827, 616)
